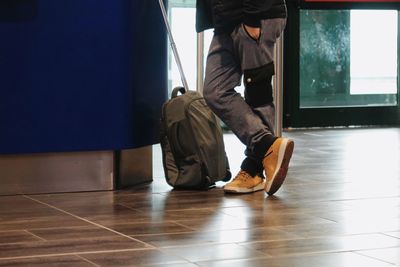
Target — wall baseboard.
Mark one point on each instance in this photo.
(74, 171)
(135, 166)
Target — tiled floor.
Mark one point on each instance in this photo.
(340, 206)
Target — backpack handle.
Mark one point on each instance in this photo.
(176, 90)
(173, 45)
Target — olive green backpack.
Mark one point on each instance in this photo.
(191, 138)
(192, 143)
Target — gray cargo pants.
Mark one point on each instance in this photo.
(230, 57)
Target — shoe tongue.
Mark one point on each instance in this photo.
(245, 175)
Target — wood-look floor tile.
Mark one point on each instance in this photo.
(391, 255)
(104, 214)
(134, 258)
(372, 226)
(26, 213)
(376, 224)
(196, 253)
(346, 259)
(335, 229)
(318, 230)
(158, 185)
(101, 202)
(18, 204)
(214, 237)
(329, 204)
(374, 203)
(61, 261)
(192, 214)
(67, 246)
(225, 222)
(134, 229)
(86, 209)
(17, 237)
(173, 265)
(324, 244)
(121, 218)
(171, 201)
(335, 196)
(84, 205)
(130, 216)
(63, 233)
(361, 216)
(12, 223)
(272, 208)
(66, 200)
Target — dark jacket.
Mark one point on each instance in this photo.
(225, 15)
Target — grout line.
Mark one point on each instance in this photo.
(389, 235)
(68, 227)
(73, 253)
(90, 222)
(319, 151)
(89, 261)
(187, 227)
(264, 257)
(358, 252)
(313, 134)
(128, 207)
(41, 238)
(148, 246)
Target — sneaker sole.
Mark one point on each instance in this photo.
(259, 187)
(285, 153)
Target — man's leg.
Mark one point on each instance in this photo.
(223, 74)
(258, 71)
(251, 119)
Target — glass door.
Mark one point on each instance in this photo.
(342, 62)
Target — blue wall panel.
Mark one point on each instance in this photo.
(80, 74)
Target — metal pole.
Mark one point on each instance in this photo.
(200, 62)
(173, 45)
(278, 86)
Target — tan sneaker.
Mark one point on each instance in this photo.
(276, 163)
(244, 183)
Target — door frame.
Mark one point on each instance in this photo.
(295, 116)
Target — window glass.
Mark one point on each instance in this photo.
(348, 58)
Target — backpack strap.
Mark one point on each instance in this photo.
(176, 90)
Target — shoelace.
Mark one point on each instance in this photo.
(242, 175)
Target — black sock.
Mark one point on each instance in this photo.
(252, 166)
(263, 145)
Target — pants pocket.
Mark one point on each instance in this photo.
(272, 29)
(247, 34)
(258, 87)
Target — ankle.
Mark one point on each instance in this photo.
(251, 166)
(263, 145)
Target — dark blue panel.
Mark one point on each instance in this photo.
(150, 67)
(80, 74)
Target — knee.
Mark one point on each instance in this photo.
(258, 87)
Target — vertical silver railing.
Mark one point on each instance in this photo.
(278, 86)
(200, 62)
